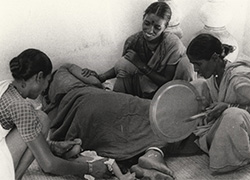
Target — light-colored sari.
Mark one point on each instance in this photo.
(226, 139)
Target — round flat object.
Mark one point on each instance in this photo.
(172, 104)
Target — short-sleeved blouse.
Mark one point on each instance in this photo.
(15, 111)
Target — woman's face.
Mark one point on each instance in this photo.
(203, 67)
(37, 85)
(153, 26)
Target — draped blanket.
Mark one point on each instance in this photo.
(115, 125)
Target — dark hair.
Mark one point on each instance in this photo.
(204, 46)
(160, 9)
(29, 63)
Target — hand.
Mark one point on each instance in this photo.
(204, 102)
(215, 110)
(128, 176)
(87, 72)
(100, 170)
(132, 57)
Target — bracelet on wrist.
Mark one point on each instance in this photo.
(90, 168)
(146, 70)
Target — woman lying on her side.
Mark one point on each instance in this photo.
(115, 125)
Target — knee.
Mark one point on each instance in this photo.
(123, 68)
(235, 117)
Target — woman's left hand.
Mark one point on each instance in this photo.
(215, 110)
(132, 57)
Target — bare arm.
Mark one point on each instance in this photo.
(77, 72)
(145, 69)
(158, 78)
(107, 75)
(55, 165)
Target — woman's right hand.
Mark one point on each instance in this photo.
(100, 170)
(87, 72)
(215, 110)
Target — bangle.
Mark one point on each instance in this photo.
(146, 70)
(90, 166)
(149, 72)
(156, 149)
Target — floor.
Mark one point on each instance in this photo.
(185, 168)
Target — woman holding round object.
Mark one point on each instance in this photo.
(224, 132)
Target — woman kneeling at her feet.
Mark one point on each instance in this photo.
(23, 129)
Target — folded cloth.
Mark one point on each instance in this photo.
(92, 156)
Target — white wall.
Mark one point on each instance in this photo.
(91, 33)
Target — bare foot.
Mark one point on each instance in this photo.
(154, 160)
(149, 174)
(73, 152)
(68, 148)
(139, 173)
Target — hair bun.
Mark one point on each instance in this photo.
(226, 49)
(14, 65)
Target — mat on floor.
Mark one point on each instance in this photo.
(185, 168)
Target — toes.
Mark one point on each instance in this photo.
(139, 173)
(78, 141)
(155, 163)
(73, 152)
(152, 174)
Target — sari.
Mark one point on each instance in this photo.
(169, 52)
(226, 139)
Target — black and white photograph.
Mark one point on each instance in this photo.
(124, 90)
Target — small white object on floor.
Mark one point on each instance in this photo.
(95, 157)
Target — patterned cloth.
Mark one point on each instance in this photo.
(16, 111)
